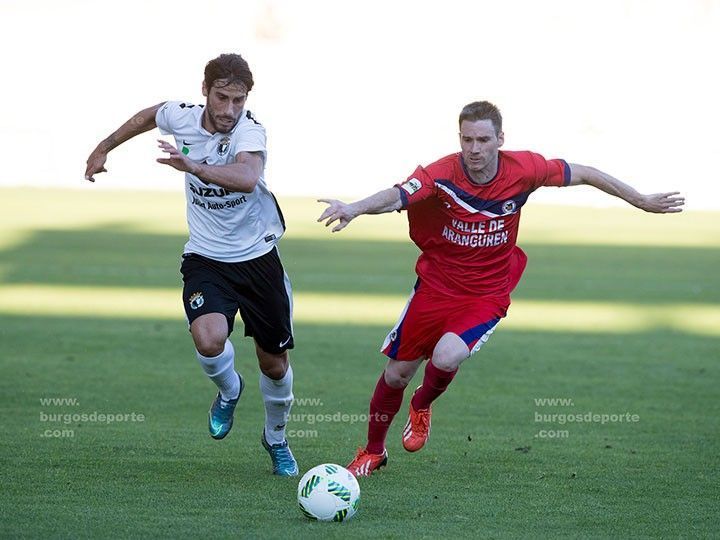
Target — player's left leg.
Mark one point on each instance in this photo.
(265, 298)
(440, 370)
(464, 335)
(276, 381)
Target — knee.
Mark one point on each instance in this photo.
(275, 372)
(397, 378)
(210, 332)
(449, 352)
(209, 343)
(210, 348)
(274, 366)
(445, 359)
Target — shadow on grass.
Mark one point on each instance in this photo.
(114, 256)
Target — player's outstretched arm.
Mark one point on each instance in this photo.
(139, 123)
(659, 203)
(382, 202)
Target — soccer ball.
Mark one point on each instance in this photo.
(328, 492)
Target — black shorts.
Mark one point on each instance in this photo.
(258, 288)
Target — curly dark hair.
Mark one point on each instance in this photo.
(232, 67)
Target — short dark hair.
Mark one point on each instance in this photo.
(482, 110)
(232, 67)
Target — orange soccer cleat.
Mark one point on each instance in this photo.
(417, 429)
(365, 463)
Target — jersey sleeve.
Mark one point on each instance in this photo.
(166, 117)
(553, 172)
(252, 138)
(419, 186)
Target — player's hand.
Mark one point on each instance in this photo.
(336, 211)
(95, 164)
(662, 203)
(176, 159)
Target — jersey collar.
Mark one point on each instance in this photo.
(469, 178)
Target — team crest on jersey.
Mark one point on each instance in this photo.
(223, 146)
(196, 300)
(412, 186)
(509, 206)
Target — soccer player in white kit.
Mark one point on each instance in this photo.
(230, 262)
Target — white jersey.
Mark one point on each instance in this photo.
(225, 226)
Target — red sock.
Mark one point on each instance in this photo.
(435, 382)
(384, 405)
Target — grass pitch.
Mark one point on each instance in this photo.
(618, 315)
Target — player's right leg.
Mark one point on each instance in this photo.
(210, 311)
(216, 355)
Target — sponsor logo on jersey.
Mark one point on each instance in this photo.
(196, 300)
(223, 146)
(210, 192)
(412, 186)
(509, 206)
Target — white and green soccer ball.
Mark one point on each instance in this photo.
(328, 492)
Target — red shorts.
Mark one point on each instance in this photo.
(429, 315)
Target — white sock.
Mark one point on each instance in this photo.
(278, 399)
(221, 370)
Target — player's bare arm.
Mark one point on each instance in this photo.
(659, 203)
(381, 202)
(242, 176)
(139, 123)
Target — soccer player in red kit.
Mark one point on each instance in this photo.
(463, 211)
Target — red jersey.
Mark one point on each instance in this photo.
(467, 231)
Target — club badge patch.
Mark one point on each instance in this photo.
(223, 146)
(509, 206)
(412, 186)
(196, 300)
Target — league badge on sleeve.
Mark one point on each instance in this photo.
(412, 186)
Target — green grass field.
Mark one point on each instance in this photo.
(618, 312)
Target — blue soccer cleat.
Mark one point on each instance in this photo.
(220, 416)
(283, 461)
